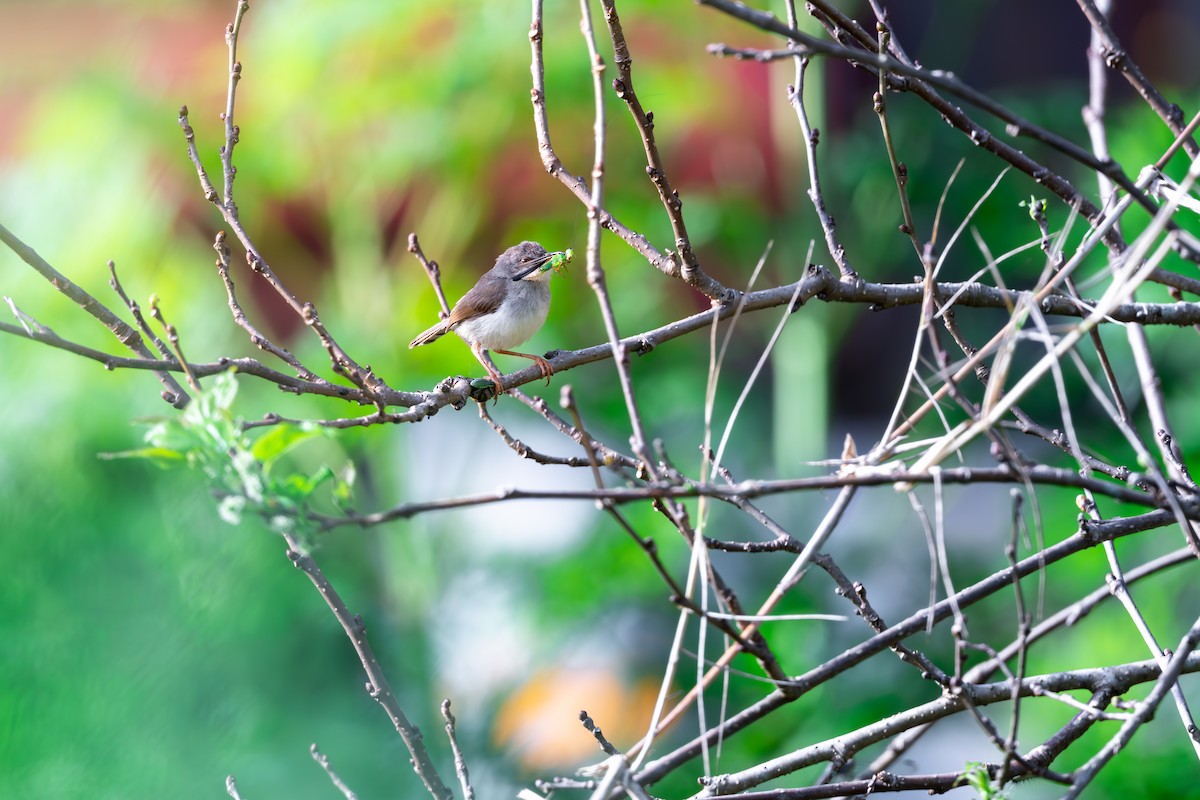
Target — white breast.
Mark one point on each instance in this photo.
(518, 318)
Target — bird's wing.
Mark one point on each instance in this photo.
(484, 298)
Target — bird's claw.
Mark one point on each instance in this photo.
(544, 367)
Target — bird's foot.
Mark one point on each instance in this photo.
(544, 366)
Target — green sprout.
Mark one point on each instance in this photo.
(244, 470)
(976, 776)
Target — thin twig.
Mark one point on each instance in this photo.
(644, 122)
(239, 315)
(1179, 663)
(1123, 676)
(432, 270)
(377, 684)
(460, 763)
(173, 393)
(136, 311)
(837, 250)
(173, 342)
(341, 362)
(323, 761)
(666, 263)
(1106, 50)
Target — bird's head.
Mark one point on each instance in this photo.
(529, 261)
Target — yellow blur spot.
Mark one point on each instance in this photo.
(539, 723)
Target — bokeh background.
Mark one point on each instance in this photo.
(149, 649)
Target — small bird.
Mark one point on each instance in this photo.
(504, 308)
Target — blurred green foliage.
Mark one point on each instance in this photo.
(150, 649)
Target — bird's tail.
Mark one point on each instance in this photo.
(436, 332)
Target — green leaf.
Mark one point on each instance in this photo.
(162, 456)
(343, 487)
(280, 439)
(223, 390)
(299, 487)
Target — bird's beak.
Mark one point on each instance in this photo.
(535, 267)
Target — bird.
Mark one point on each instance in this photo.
(504, 308)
